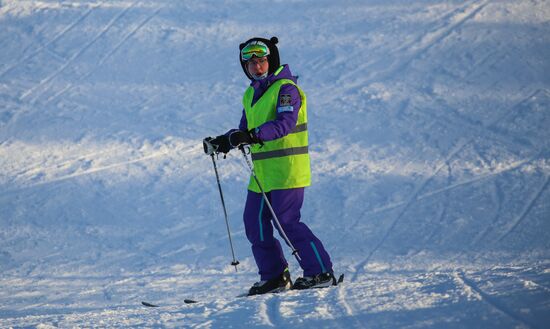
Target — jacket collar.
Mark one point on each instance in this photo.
(283, 72)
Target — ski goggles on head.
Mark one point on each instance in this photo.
(254, 48)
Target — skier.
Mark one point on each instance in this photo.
(274, 124)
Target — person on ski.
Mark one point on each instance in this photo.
(274, 124)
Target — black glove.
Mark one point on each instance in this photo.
(220, 144)
(227, 142)
(240, 137)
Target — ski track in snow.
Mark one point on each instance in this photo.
(494, 302)
(43, 84)
(420, 46)
(272, 311)
(416, 196)
(108, 55)
(53, 40)
(39, 169)
(529, 205)
(457, 19)
(411, 200)
(428, 126)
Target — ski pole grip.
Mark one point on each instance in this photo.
(208, 147)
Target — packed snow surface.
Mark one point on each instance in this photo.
(429, 125)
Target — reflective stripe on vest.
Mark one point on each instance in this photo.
(279, 153)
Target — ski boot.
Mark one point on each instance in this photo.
(322, 280)
(277, 284)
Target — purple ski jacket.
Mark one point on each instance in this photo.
(286, 115)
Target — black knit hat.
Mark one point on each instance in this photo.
(272, 58)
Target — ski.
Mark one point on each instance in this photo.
(337, 282)
(192, 301)
(340, 279)
(186, 301)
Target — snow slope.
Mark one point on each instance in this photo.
(430, 154)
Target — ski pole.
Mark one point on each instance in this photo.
(208, 149)
(283, 234)
(234, 262)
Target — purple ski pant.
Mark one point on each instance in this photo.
(267, 249)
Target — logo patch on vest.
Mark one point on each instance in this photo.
(284, 100)
(282, 109)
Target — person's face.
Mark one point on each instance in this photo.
(257, 66)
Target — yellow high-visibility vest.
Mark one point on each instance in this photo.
(282, 163)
